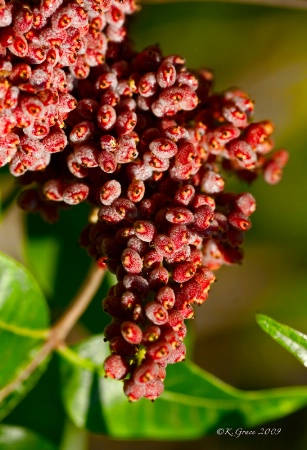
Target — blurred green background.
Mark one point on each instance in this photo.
(263, 51)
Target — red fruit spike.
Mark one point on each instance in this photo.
(166, 74)
(166, 296)
(110, 248)
(120, 346)
(280, 157)
(177, 355)
(131, 332)
(175, 320)
(125, 122)
(32, 106)
(181, 172)
(242, 153)
(163, 148)
(106, 80)
(213, 257)
(66, 103)
(188, 293)
(186, 154)
(158, 351)
(144, 230)
(82, 132)
(171, 337)
(55, 141)
(156, 313)
(196, 257)
(208, 277)
(123, 234)
(184, 272)
(129, 300)
(86, 155)
(179, 215)
(153, 389)
(226, 133)
(140, 171)
(201, 199)
(179, 235)
(136, 283)
(255, 134)
(157, 164)
(131, 261)
(110, 97)
(109, 214)
(133, 390)
(53, 190)
(157, 277)
(235, 116)
(203, 217)
(109, 192)
(151, 334)
(212, 183)
(152, 259)
(126, 150)
(185, 194)
(179, 255)
(136, 191)
(107, 161)
(112, 330)
(164, 245)
(108, 143)
(176, 133)
(112, 306)
(201, 298)
(147, 85)
(125, 208)
(75, 193)
(272, 172)
(87, 108)
(115, 367)
(239, 220)
(146, 372)
(246, 203)
(19, 47)
(138, 245)
(75, 168)
(188, 79)
(106, 117)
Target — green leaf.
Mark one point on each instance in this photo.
(54, 256)
(42, 409)
(194, 402)
(23, 323)
(17, 438)
(292, 340)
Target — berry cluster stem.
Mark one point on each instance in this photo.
(61, 329)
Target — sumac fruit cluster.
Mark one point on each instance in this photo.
(150, 146)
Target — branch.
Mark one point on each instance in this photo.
(61, 328)
(74, 311)
(294, 4)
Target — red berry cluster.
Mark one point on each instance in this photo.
(44, 49)
(150, 146)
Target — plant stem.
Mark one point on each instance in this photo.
(61, 328)
(76, 308)
(296, 4)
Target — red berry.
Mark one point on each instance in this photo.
(156, 313)
(131, 332)
(115, 367)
